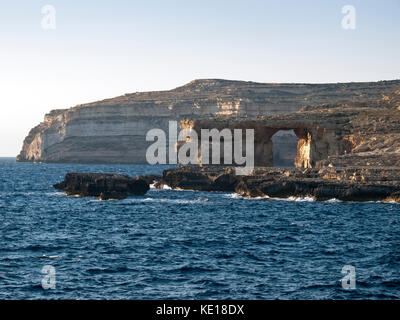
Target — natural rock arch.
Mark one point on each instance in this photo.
(315, 144)
(316, 141)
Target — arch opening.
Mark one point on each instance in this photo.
(285, 150)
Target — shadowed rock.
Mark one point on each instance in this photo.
(102, 185)
(150, 178)
(196, 179)
(347, 184)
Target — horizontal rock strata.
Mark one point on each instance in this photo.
(341, 134)
(114, 130)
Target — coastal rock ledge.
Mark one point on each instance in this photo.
(105, 186)
(346, 183)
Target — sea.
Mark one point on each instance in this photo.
(172, 244)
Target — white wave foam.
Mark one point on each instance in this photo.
(334, 200)
(233, 196)
(176, 201)
(291, 199)
(49, 257)
(165, 187)
(238, 196)
(57, 194)
(301, 199)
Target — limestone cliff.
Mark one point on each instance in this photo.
(113, 130)
(363, 133)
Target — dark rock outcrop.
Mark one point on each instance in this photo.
(112, 195)
(150, 178)
(102, 185)
(347, 184)
(193, 178)
(318, 189)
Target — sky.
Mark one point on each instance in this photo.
(102, 49)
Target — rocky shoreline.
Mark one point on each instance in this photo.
(346, 183)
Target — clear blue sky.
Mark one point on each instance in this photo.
(102, 49)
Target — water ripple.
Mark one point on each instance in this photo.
(188, 245)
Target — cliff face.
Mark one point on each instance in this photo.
(371, 137)
(114, 130)
(363, 133)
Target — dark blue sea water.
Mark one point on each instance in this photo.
(187, 245)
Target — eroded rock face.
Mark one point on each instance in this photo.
(318, 139)
(102, 185)
(303, 157)
(342, 134)
(114, 130)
